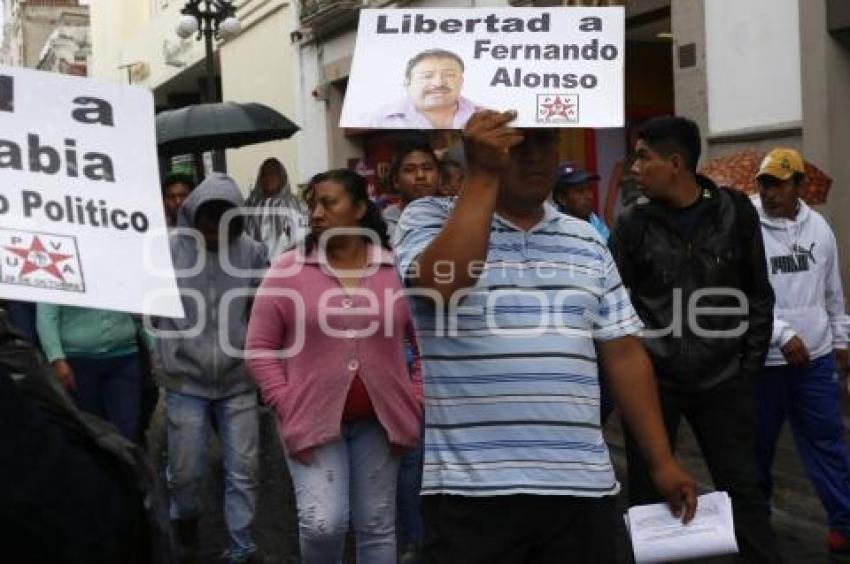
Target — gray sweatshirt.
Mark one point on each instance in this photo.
(201, 356)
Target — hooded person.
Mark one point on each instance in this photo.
(202, 372)
(275, 216)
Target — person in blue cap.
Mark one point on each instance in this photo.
(573, 195)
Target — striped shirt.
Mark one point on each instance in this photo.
(511, 381)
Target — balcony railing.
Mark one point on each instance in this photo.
(324, 15)
(550, 3)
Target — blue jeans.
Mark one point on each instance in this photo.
(110, 388)
(354, 475)
(408, 505)
(188, 433)
(811, 399)
(22, 318)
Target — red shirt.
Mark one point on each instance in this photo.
(357, 403)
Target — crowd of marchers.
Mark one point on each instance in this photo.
(475, 445)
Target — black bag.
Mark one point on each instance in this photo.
(72, 489)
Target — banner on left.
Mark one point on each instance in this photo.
(81, 215)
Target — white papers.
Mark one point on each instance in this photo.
(658, 536)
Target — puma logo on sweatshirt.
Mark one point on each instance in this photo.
(798, 261)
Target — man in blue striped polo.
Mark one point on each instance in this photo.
(512, 302)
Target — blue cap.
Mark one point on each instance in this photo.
(571, 175)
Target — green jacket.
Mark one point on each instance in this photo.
(75, 331)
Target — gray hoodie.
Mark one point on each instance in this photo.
(196, 360)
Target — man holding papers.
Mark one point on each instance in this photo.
(516, 468)
(693, 258)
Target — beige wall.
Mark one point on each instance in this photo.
(691, 88)
(113, 25)
(823, 136)
(260, 66)
(826, 120)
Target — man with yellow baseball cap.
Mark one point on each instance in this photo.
(782, 164)
(809, 341)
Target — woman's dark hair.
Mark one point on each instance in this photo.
(405, 147)
(358, 190)
(177, 178)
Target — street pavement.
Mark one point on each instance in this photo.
(799, 520)
(797, 516)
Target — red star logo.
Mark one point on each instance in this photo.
(38, 258)
(558, 107)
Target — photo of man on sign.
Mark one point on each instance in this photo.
(433, 80)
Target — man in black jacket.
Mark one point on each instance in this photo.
(693, 259)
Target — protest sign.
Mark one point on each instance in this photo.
(433, 68)
(81, 215)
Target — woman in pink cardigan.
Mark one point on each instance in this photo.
(326, 347)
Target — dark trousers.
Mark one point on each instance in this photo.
(519, 529)
(111, 388)
(811, 399)
(22, 318)
(606, 401)
(408, 504)
(723, 420)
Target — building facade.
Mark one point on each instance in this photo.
(765, 73)
(135, 42)
(68, 48)
(753, 74)
(46, 34)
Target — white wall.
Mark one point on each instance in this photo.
(753, 59)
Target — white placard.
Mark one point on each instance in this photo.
(81, 215)
(432, 68)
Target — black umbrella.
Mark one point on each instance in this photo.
(205, 127)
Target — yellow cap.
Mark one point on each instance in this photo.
(782, 164)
